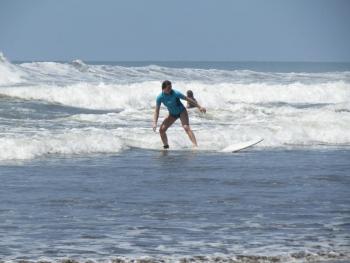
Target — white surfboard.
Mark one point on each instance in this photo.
(241, 146)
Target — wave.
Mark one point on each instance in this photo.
(117, 132)
(77, 71)
(142, 95)
(80, 65)
(321, 117)
(74, 141)
(115, 104)
(9, 73)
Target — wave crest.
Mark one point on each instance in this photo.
(69, 142)
(218, 96)
(9, 73)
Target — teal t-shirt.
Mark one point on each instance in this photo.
(172, 101)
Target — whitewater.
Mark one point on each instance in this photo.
(77, 108)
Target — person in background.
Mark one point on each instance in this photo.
(190, 95)
(171, 99)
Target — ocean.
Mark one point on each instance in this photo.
(84, 177)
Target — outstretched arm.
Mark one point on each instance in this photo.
(201, 109)
(155, 118)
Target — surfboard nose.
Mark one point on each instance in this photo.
(241, 146)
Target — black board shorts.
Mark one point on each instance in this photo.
(176, 116)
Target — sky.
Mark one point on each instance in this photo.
(178, 30)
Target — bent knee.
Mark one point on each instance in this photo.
(162, 129)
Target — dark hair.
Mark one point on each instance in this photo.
(189, 93)
(165, 84)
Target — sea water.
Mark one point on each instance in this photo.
(83, 175)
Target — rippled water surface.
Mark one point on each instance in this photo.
(284, 203)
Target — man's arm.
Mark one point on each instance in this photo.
(155, 118)
(202, 109)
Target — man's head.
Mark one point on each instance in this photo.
(190, 93)
(166, 86)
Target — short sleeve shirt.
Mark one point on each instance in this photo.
(172, 101)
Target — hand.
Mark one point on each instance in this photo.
(154, 127)
(202, 109)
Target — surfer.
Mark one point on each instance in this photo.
(190, 95)
(171, 99)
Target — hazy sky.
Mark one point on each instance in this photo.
(197, 30)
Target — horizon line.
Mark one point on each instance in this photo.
(183, 61)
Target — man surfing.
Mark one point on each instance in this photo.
(171, 99)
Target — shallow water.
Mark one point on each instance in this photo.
(284, 204)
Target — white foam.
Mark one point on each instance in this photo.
(285, 109)
(284, 126)
(218, 96)
(91, 96)
(9, 74)
(110, 118)
(72, 141)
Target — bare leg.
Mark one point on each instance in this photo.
(186, 125)
(168, 121)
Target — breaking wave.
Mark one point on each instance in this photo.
(108, 108)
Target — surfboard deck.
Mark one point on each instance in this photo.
(241, 146)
